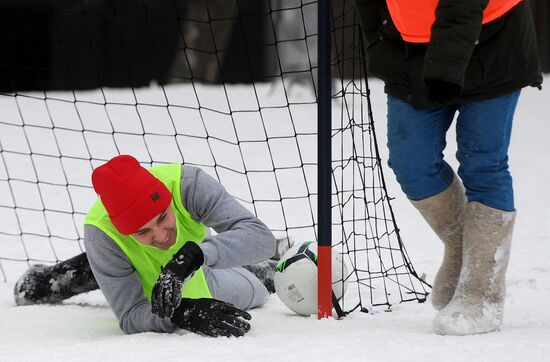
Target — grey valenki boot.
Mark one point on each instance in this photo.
(477, 306)
(444, 213)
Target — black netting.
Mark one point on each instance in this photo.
(227, 85)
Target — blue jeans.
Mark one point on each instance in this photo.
(416, 140)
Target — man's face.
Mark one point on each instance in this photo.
(160, 231)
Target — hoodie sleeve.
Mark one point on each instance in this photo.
(241, 238)
(120, 284)
(455, 33)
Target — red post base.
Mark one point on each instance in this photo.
(324, 282)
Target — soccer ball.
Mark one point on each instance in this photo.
(296, 278)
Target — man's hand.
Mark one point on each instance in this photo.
(166, 295)
(211, 317)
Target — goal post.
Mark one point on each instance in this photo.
(324, 160)
(234, 87)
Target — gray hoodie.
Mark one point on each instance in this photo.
(241, 239)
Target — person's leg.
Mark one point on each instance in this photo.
(237, 286)
(483, 135)
(52, 284)
(247, 286)
(264, 271)
(416, 139)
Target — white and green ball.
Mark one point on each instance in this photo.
(296, 278)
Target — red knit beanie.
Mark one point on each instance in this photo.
(130, 193)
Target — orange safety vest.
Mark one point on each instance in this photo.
(414, 19)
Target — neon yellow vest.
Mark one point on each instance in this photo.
(147, 260)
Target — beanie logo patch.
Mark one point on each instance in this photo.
(155, 196)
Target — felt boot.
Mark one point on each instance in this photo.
(444, 212)
(478, 302)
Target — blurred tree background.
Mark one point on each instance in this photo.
(86, 44)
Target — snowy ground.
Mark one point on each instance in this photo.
(84, 329)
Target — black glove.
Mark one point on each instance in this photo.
(166, 295)
(211, 317)
(442, 92)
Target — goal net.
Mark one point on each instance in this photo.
(225, 85)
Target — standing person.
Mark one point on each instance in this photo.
(439, 58)
(148, 248)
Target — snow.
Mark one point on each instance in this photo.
(84, 328)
